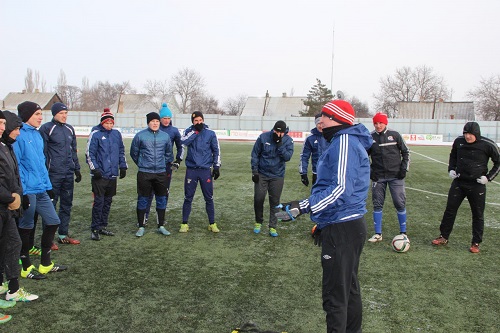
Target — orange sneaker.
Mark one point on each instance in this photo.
(474, 248)
(69, 240)
(54, 247)
(440, 241)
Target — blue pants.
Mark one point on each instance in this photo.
(41, 204)
(63, 186)
(193, 176)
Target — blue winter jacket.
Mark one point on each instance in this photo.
(313, 147)
(60, 149)
(105, 152)
(203, 148)
(31, 160)
(151, 151)
(175, 136)
(340, 192)
(268, 158)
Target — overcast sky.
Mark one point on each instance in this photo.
(248, 47)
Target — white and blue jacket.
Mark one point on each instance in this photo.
(203, 148)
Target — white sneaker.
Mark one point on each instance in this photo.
(4, 288)
(375, 238)
(21, 295)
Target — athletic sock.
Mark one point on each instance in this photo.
(402, 221)
(47, 238)
(377, 222)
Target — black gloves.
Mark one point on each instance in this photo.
(51, 194)
(255, 177)
(199, 127)
(123, 173)
(315, 177)
(25, 202)
(304, 179)
(215, 174)
(78, 176)
(373, 177)
(316, 235)
(401, 174)
(97, 174)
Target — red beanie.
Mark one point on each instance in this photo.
(107, 115)
(340, 111)
(380, 118)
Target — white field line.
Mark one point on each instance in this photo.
(440, 194)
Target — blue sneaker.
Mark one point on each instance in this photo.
(256, 228)
(140, 232)
(163, 231)
(272, 232)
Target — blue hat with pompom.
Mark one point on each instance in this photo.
(165, 111)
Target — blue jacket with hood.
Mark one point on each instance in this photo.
(268, 158)
(106, 152)
(340, 192)
(31, 160)
(203, 148)
(313, 147)
(151, 151)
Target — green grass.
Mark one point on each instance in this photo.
(203, 282)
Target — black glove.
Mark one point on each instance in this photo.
(123, 173)
(401, 174)
(97, 174)
(215, 174)
(199, 127)
(290, 210)
(255, 177)
(78, 176)
(315, 177)
(51, 194)
(373, 177)
(304, 179)
(25, 202)
(316, 235)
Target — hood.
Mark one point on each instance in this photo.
(12, 122)
(473, 128)
(361, 132)
(315, 131)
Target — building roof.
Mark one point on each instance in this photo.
(45, 100)
(274, 106)
(139, 103)
(436, 110)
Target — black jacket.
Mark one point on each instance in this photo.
(389, 154)
(470, 160)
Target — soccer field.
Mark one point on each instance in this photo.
(202, 282)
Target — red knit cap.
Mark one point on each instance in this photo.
(380, 118)
(340, 111)
(107, 115)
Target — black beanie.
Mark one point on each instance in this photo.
(196, 114)
(12, 122)
(1, 115)
(280, 126)
(26, 109)
(152, 115)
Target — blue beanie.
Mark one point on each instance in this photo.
(165, 111)
(58, 107)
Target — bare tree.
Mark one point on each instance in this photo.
(188, 85)
(29, 84)
(157, 92)
(234, 106)
(486, 98)
(62, 87)
(86, 96)
(104, 94)
(206, 104)
(407, 85)
(361, 109)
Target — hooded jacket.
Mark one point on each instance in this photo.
(470, 160)
(268, 158)
(341, 189)
(203, 148)
(151, 151)
(313, 147)
(60, 148)
(10, 181)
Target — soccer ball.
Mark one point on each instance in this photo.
(400, 243)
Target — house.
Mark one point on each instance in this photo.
(45, 100)
(436, 110)
(141, 104)
(277, 107)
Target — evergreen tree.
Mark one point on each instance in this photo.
(318, 96)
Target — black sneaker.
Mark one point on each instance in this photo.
(94, 235)
(106, 232)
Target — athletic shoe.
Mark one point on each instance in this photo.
(21, 295)
(272, 232)
(163, 231)
(54, 247)
(32, 273)
(35, 251)
(4, 318)
(94, 235)
(256, 228)
(106, 232)
(6, 304)
(375, 238)
(184, 227)
(474, 248)
(69, 240)
(440, 241)
(4, 288)
(51, 268)
(213, 227)
(140, 232)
